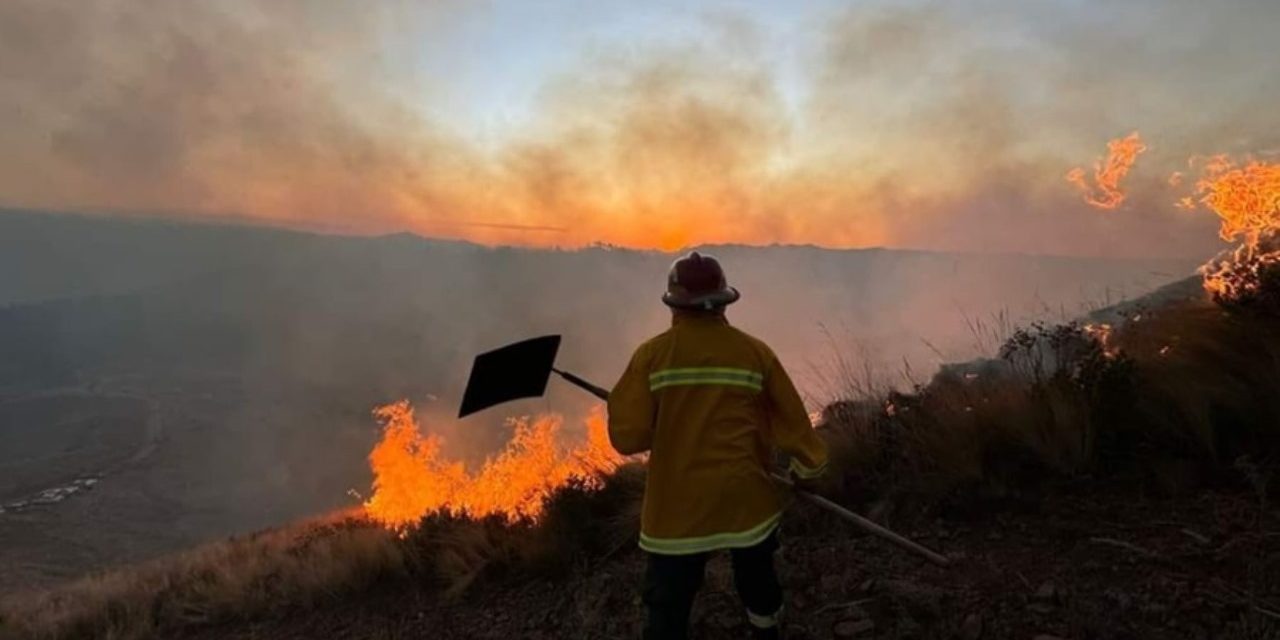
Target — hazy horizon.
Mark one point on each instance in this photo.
(250, 223)
(895, 123)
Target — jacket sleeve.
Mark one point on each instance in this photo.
(631, 408)
(791, 430)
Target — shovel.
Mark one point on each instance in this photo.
(516, 371)
(522, 369)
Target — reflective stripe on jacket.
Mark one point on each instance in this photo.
(709, 402)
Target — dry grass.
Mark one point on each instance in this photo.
(240, 577)
(580, 524)
(314, 563)
(1173, 398)
(1208, 377)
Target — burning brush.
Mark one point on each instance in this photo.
(1247, 201)
(413, 477)
(1247, 276)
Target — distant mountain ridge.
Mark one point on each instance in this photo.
(86, 292)
(54, 255)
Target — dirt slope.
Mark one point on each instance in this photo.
(1089, 562)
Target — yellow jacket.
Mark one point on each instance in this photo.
(708, 402)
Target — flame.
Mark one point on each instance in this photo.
(1236, 275)
(1107, 174)
(1102, 332)
(1247, 201)
(413, 477)
(1246, 198)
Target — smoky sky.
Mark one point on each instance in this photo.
(942, 125)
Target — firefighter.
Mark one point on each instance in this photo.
(709, 403)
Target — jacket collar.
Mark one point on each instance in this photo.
(679, 317)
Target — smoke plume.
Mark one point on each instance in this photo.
(924, 124)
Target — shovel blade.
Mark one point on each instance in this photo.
(518, 370)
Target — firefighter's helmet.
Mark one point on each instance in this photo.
(697, 281)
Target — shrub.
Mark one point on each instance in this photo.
(1183, 390)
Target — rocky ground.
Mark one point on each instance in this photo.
(1089, 562)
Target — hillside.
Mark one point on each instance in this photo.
(1086, 484)
(219, 379)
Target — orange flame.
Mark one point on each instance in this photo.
(1107, 174)
(1246, 199)
(1247, 202)
(1102, 332)
(413, 478)
(1237, 274)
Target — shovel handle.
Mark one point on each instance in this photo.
(865, 524)
(591, 388)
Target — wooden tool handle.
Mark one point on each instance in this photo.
(865, 524)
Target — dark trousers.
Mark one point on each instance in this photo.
(671, 582)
